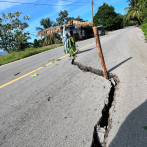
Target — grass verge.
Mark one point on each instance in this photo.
(106, 32)
(144, 29)
(23, 54)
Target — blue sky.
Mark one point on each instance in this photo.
(37, 12)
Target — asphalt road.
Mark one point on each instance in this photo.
(61, 105)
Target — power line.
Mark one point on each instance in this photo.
(74, 1)
(95, 6)
(37, 4)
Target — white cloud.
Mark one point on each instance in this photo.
(60, 2)
(109, 2)
(58, 8)
(81, 10)
(5, 5)
(114, 1)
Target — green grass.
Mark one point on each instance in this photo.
(23, 54)
(144, 29)
(106, 32)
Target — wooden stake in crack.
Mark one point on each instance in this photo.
(97, 40)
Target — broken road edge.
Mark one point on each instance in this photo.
(104, 124)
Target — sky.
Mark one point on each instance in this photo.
(75, 8)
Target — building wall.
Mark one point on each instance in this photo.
(68, 30)
(75, 31)
(79, 33)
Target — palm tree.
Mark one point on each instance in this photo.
(133, 12)
(46, 23)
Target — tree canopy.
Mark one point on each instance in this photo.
(64, 18)
(45, 23)
(137, 11)
(12, 32)
(133, 12)
(107, 17)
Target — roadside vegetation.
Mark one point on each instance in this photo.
(107, 17)
(144, 29)
(137, 12)
(13, 56)
(15, 40)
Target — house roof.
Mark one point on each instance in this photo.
(57, 29)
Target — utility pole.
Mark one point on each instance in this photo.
(97, 40)
(92, 9)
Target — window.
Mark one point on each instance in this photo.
(99, 28)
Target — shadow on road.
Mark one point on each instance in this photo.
(85, 50)
(119, 64)
(132, 132)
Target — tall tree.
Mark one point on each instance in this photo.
(76, 18)
(143, 8)
(107, 17)
(133, 12)
(12, 32)
(132, 2)
(45, 23)
(63, 17)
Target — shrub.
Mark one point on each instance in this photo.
(144, 29)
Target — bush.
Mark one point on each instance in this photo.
(144, 29)
(37, 43)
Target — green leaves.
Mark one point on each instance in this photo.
(71, 45)
(63, 18)
(63, 15)
(3, 15)
(64, 51)
(108, 18)
(144, 29)
(12, 32)
(145, 128)
(137, 11)
(71, 52)
(46, 23)
(34, 75)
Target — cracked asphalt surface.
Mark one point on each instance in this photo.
(61, 105)
(58, 107)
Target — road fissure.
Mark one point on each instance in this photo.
(104, 124)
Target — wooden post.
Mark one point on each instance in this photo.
(97, 40)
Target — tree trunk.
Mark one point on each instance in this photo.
(139, 22)
(42, 41)
(7, 50)
(54, 39)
